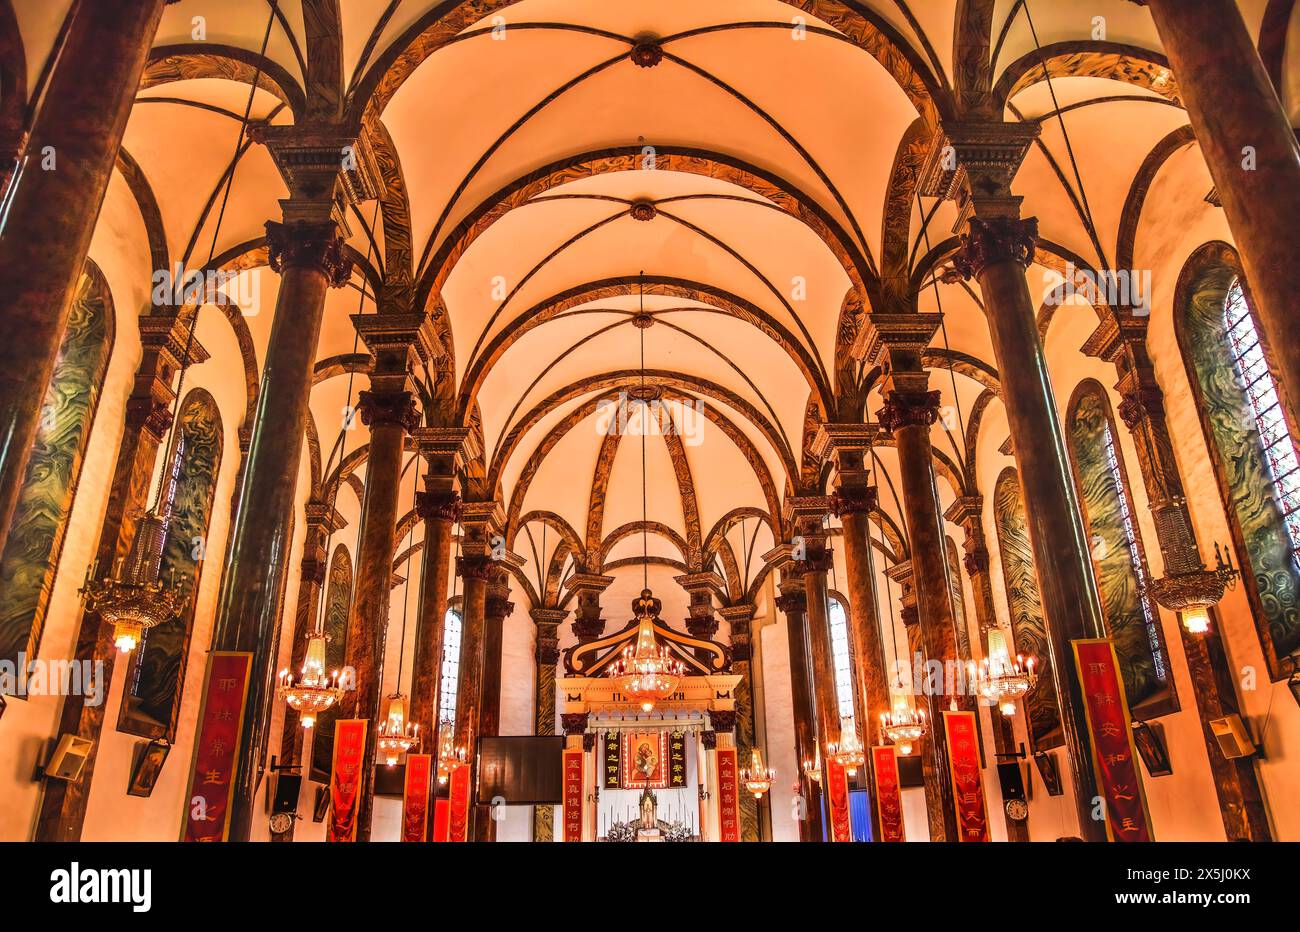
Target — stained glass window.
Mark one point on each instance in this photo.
(840, 652)
(450, 667)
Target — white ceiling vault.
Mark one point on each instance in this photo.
(750, 190)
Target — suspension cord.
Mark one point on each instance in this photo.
(645, 530)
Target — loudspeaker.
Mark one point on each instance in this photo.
(1012, 779)
(287, 787)
(68, 758)
(1234, 740)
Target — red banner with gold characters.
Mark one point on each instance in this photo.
(1114, 755)
(889, 793)
(415, 797)
(458, 793)
(728, 795)
(960, 732)
(837, 801)
(212, 771)
(573, 793)
(345, 779)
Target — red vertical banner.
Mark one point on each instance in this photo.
(960, 732)
(415, 797)
(837, 801)
(728, 795)
(889, 793)
(441, 820)
(573, 793)
(216, 745)
(458, 804)
(345, 779)
(1114, 755)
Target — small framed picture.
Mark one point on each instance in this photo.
(321, 805)
(1150, 740)
(1047, 769)
(148, 764)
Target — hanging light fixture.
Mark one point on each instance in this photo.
(449, 756)
(757, 778)
(812, 769)
(314, 691)
(646, 672)
(848, 752)
(1001, 680)
(397, 733)
(904, 725)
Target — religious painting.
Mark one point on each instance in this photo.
(31, 552)
(148, 765)
(1150, 740)
(1027, 622)
(338, 603)
(1265, 550)
(1049, 771)
(1119, 564)
(645, 760)
(156, 673)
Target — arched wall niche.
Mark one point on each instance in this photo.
(30, 557)
(156, 675)
(1271, 573)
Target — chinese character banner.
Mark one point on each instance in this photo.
(415, 797)
(889, 794)
(212, 771)
(967, 787)
(345, 782)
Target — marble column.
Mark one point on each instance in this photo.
(148, 417)
(587, 623)
(496, 609)
(1186, 582)
(793, 605)
(847, 446)
(307, 250)
(438, 505)
(54, 202)
(996, 251)
(908, 414)
(547, 655)
(967, 513)
(740, 618)
(1251, 150)
(477, 567)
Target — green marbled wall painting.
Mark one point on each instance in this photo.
(338, 604)
(1143, 663)
(1027, 620)
(157, 671)
(958, 602)
(32, 551)
(1245, 482)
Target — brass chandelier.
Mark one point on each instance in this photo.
(1001, 680)
(646, 673)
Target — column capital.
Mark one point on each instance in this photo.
(574, 723)
(909, 409)
(965, 509)
(709, 739)
(701, 582)
(847, 445)
(892, 335)
(438, 505)
(548, 621)
(1115, 334)
(722, 720)
(388, 409)
(399, 341)
(305, 244)
(588, 582)
(323, 517)
(989, 153)
(740, 619)
(998, 239)
(805, 513)
(476, 566)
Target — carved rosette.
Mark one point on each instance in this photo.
(475, 567)
(438, 506)
(647, 53)
(722, 720)
(999, 239)
(909, 409)
(574, 723)
(304, 245)
(644, 211)
(388, 409)
(853, 500)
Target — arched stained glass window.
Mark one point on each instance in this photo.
(157, 671)
(1251, 447)
(31, 552)
(450, 667)
(843, 662)
(1132, 619)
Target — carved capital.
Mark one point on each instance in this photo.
(438, 506)
(574, 723)
(148, 414)
(998, 239)
(588, 740)
(305, 245)
(313, 571)
(909, 409)
(709, 739)
(816, 559)
(976, 561)
(703, 627)
(475, 566)
(792, 603)
(722, 720)
(910, 615)
(853, 500)
(498, 607)
(392, 409)
(1141, 404)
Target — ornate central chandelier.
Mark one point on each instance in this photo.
(904, 725)
(646, 673)
(449, 756)
(848, 752)
(315, 691)
(1001, 680)
(397, 733)
(757, 778)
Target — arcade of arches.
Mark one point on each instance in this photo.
(883, 342)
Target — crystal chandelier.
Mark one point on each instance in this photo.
(133, 599)
(397, 734)
(1001, 680)
(449, 756)
(757, 778)
(646, 673)
(903, 725)
(812, 769)
(314, 691)
(848, 752)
